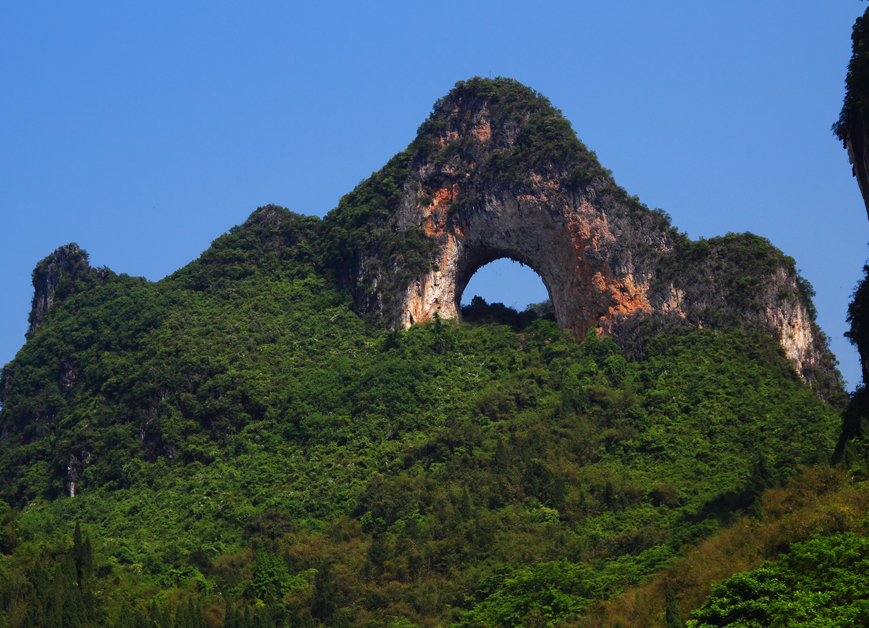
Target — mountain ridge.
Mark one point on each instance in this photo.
(496, 171)
(251, 437)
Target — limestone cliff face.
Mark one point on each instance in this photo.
(562, 233)
(485, 183)
(60, 275)
(739, 280)
(55, 278)
(497, 172)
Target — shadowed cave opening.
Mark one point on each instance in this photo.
(510, 292)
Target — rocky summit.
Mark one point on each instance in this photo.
(303, 428)
(496, 171)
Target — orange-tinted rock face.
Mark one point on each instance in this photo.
(565, 242)
(484, 185)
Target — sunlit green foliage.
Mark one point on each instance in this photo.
(818, 583)
(246, 451)
(238, 434)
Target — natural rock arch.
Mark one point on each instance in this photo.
(496, 172)
(555, 244)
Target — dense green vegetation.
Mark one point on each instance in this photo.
(234, 446)
(857, 79)
(819, 503)
(246, 449)
(819, 583)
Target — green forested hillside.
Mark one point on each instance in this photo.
(241, 442)
(241, 445)
(820, 581)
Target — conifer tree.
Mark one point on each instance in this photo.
(272, 606)
(326, 594)
(288, 561)
(167, 619)
(142, 620)
(378, 552)
(125, 620)
(66, 591)
(34, 615)
(245, 618)
(501, 461)
(230, 615)
(87, 598)
(197, 616)
(87, 557)
(41, 582)
(181, 619)
(261, 619)
(55, 599)
(465, 504)
(74, 615)
(155, 617)
(306, 621)
(77, 549)
(672, 614)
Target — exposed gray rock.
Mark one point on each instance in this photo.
(57, 277)
(68, 373)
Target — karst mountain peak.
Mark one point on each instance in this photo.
(496, 171)
(303, 426)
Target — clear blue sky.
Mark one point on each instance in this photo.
(142, 131)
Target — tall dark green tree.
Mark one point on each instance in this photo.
(327, 595)
(465, 504)
(672, 613)
(34, 615)
(128, 617)
(378, 551)
(41, 582)
(55, 599)
(77, 548)
(87, 557)
(262, 619)
(159, 617)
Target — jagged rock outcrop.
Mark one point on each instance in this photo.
(497, 172)
(60, 275)
(857, 144)
(853, 124)
(57, 277)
